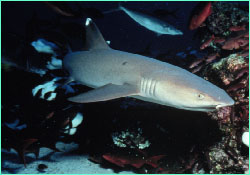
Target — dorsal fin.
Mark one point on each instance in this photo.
(94, 38)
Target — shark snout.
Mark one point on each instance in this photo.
(229, 102)
(179, 32)
(176, 32)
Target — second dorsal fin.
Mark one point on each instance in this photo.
(94, 38)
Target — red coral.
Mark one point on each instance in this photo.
(136, 162)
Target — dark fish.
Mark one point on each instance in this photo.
(65, 9)
(199, 18)
(196, 11)
(60, 8)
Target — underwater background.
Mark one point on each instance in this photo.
(42, 132)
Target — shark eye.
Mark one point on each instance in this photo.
(200, 96)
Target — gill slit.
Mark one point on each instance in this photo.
(148, 87)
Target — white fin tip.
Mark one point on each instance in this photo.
(88, 20)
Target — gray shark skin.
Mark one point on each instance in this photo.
(116, 74)
(151, 23)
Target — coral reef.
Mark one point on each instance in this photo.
(226, 156)
(131, 139)
(224, 16)
(230, 70)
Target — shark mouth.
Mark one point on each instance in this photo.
(223, 105)
(208, 108)
(202, 108)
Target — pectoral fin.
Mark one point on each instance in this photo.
(104, 93)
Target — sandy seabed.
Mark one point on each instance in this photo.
(65, 162)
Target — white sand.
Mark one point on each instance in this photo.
(65, 162)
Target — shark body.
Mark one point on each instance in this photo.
(116, 74)
(151, 23)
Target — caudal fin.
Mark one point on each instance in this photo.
(114, 10)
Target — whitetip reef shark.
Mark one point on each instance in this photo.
(152, 23)
(115, 74)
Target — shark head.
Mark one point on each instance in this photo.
(168, 29)
(195, 95)
(174, 31)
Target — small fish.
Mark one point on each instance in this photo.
(237, 28)
(235, 43)
(219, 40)
(197, 69)
(198, 19)
(196, 62)
(241, 40)
(242, 72)
(207, 43)
(136, 162)
(236, 87)
(212, 57)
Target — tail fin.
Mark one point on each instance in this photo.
(114, 10)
